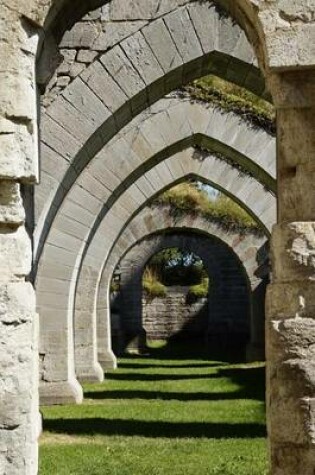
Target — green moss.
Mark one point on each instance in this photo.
(201, 290)
(233, 98)
(186, 198)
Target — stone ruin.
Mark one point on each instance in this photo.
(90, 129)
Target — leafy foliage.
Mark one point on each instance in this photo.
(174, 266)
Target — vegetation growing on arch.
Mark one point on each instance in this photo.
(192, 198)
(232, 98)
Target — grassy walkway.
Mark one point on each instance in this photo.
(157, 416)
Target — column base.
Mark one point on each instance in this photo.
(255, 352)
(94, 374)
(60, 392)
(107, 360)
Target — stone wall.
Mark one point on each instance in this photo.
(282, 32)
(175, 315)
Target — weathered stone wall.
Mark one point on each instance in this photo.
(282, 32)
(251, 250)
(229, 307)
(19, 416)
(175, 315)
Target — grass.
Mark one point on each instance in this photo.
(151, 284)
(201, 290)
(166, 413)
(186, 198)
(232, 98)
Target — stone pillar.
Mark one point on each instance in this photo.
(106, 357)
(131, 309)
(87, 367)
(255, 350)
(19, 416)
(290, 329)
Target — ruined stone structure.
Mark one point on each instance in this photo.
(229, 300)
(249, 249)
(103, 69)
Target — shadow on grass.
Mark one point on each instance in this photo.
(159, 377)
(251, 380)
(180, 353)
(131, 365)
(168, 396)
(155, 429)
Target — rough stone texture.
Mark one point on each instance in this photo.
(228, 309)
(249, 249)
(173, 315)
(19, 421)
(119, 215)
(282, 32)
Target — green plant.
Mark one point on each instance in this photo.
(228, 96)
(200, 290)
(189, 198)
(151, 284)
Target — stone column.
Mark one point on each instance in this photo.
(106, 357)
(87, 367)
(131, 308)
(255, 350)
(290, 329)
(19, 417)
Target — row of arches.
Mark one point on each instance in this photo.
(111, 138)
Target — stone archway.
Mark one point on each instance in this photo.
(248, 248)
(229, 305)
(287, 57)
(72, 245)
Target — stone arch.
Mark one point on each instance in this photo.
(126, 205)
(218, 259)
(180, 123)
(250, 250)
(289, 61)
(81, 120)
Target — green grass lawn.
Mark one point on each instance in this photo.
(160, 416)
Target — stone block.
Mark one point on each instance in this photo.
(290, 300)
(113, 33)
(76, 69)
(60, 392)
(120, 68)
(70, 119)
(11, 205)
(86, 56)
(81, 35)
(63, 81)
(17, 158)
(141, 9)
(86, 102)
(184, 35)
(162, 45)
(293, 251)
(206, 21)
(104, 86)
(15, 254)
(58, 138)
(141, 56)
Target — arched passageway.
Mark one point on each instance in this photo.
(229, 302)
(287, 59)
(249, 249)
